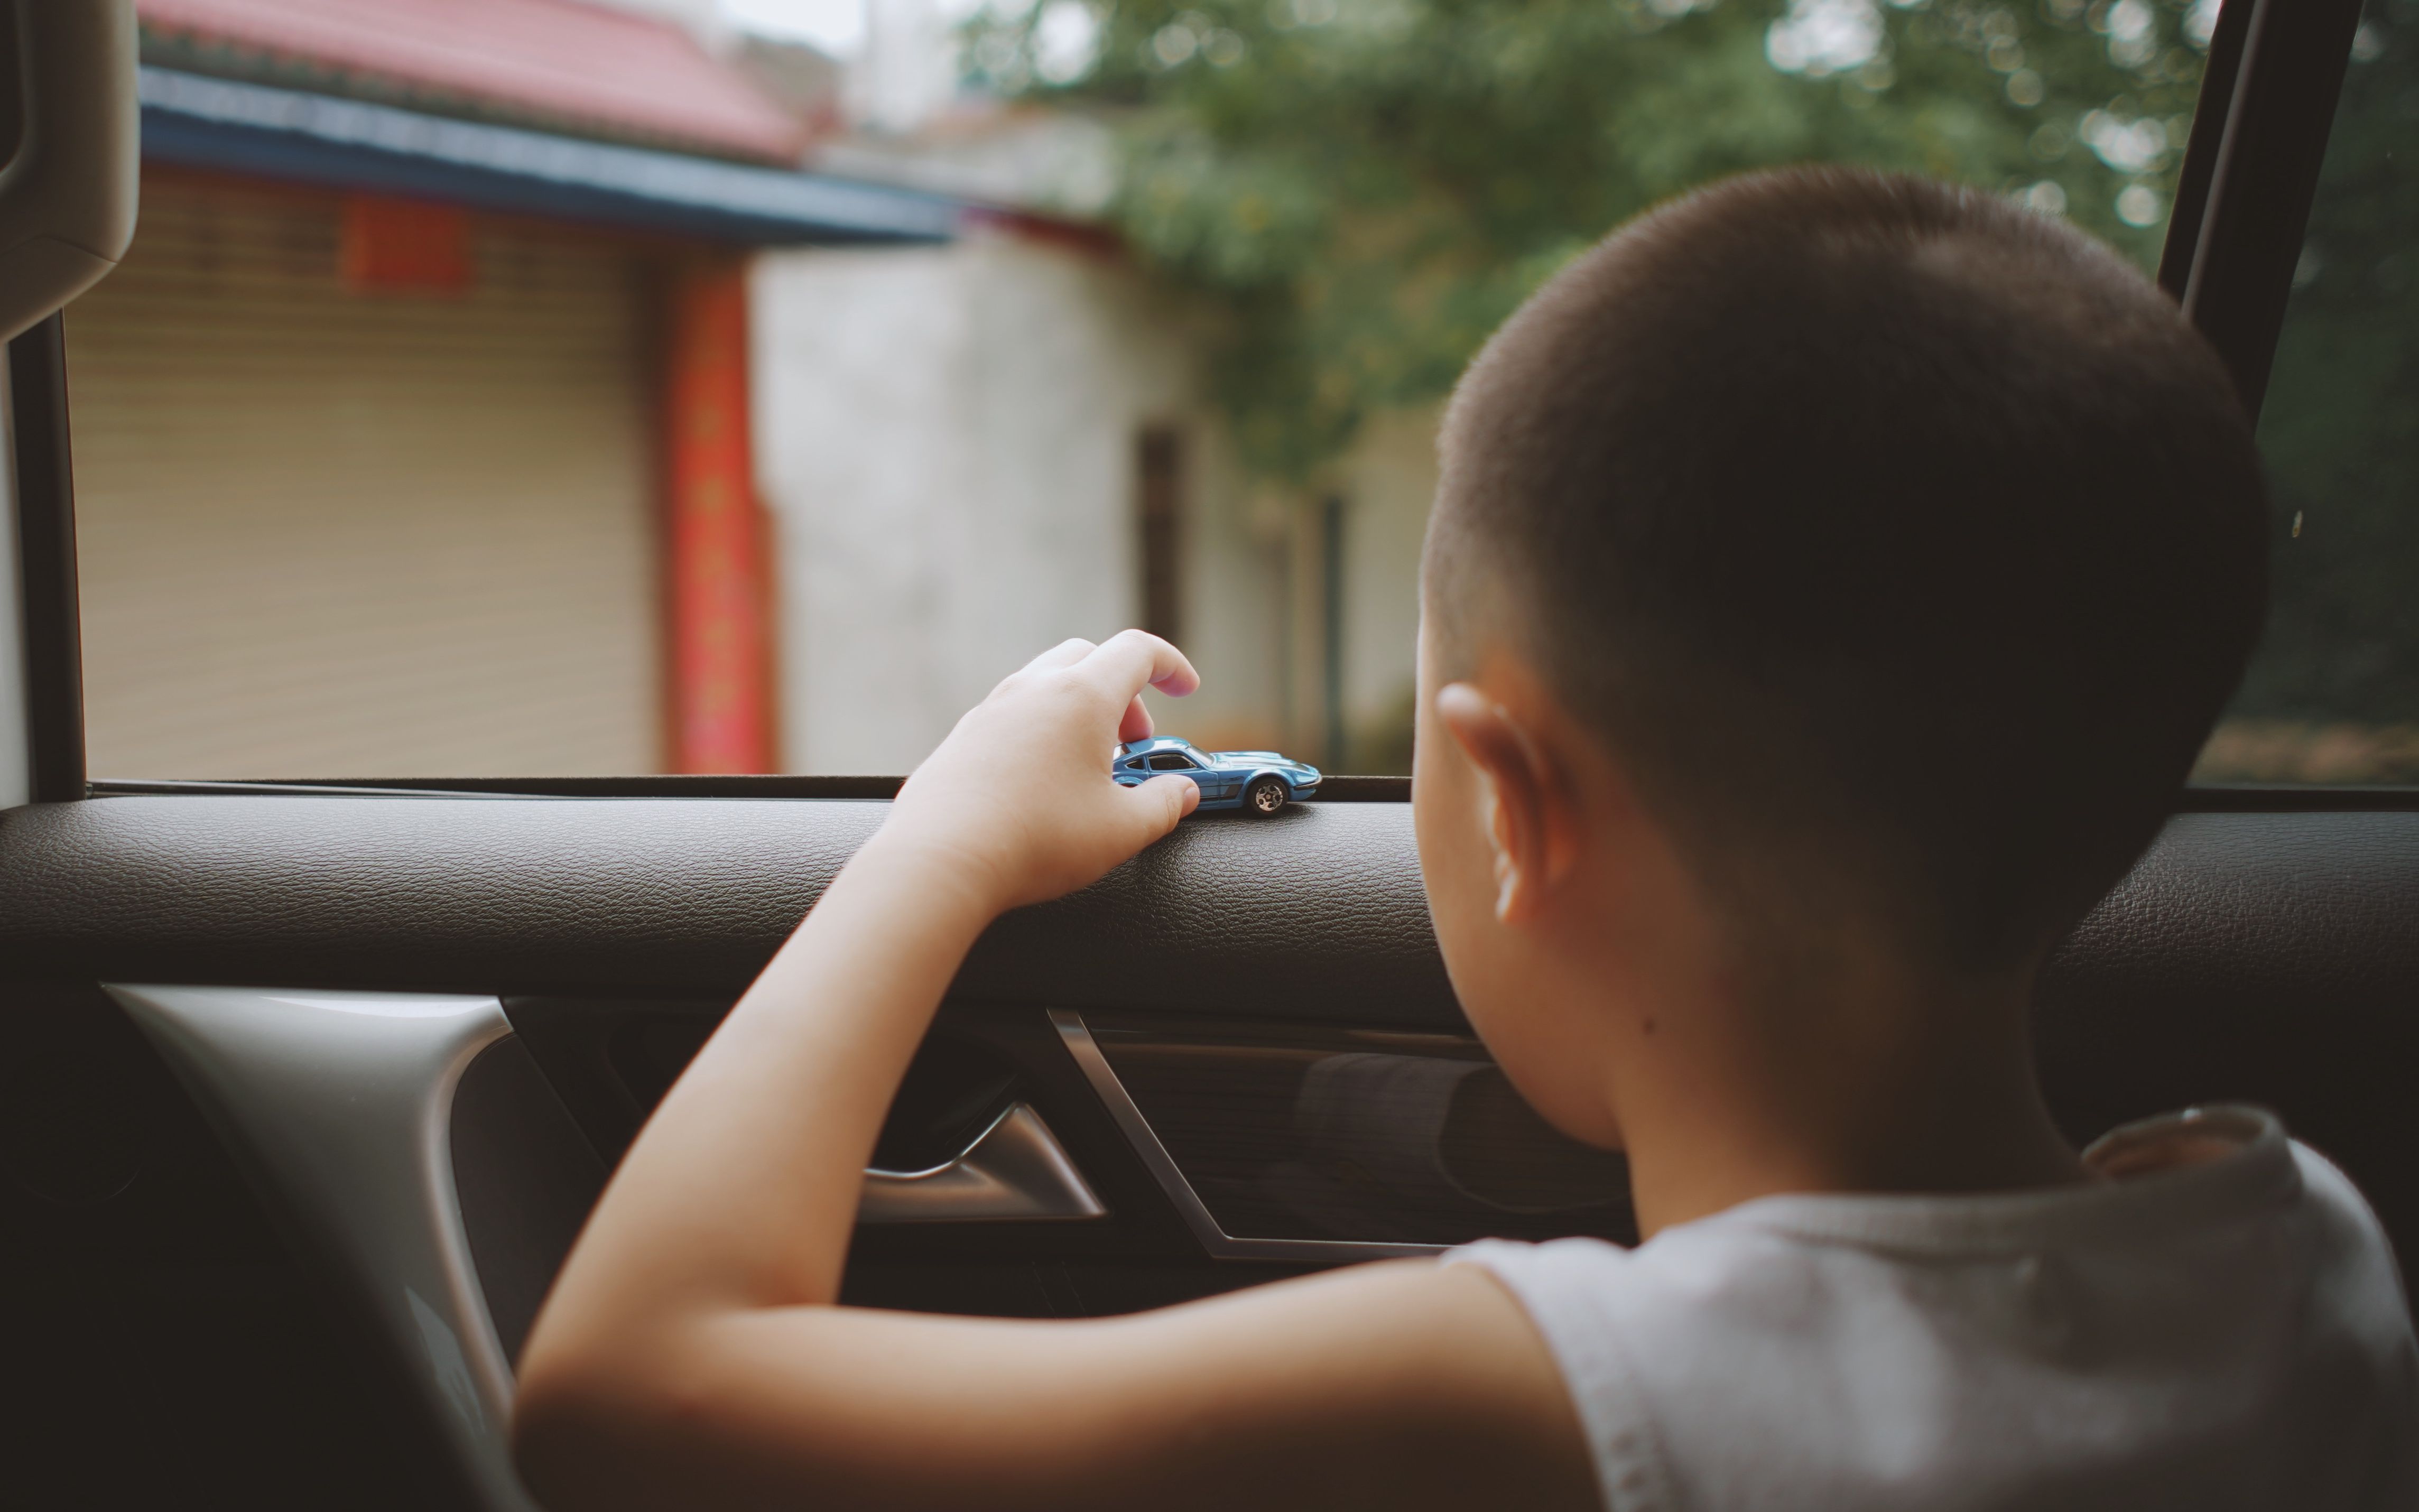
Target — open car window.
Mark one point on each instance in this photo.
(752, 394)
(2332, 697)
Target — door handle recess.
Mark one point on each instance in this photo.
(1015, 1169)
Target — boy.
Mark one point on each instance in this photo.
(1831, 580)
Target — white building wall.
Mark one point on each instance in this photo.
(1235, 591)
(1385, 481)
(907, 70)
(946, 438)
(1389, 481)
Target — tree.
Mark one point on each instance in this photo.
(1363, 189)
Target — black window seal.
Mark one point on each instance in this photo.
(769, 785)
(50, 617)
(2248, 798)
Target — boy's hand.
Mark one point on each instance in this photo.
(1018, 803)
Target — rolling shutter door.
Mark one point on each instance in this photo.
(336, 533)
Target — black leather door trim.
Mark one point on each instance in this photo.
(1315, 912)
(2270, 957)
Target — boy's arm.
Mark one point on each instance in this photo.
(692, 1353)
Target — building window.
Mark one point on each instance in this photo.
(1159, 495)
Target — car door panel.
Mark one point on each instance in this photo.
(2265, 957)
(2245, 956)
(592, 945)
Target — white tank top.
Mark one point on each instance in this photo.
(2225, 1333)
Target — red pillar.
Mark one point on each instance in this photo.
(720, 649)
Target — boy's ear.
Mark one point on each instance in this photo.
(1524, 803)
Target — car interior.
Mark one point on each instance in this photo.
(306, 1088)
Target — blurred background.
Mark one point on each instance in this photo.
(568, 387)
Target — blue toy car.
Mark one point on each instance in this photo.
(1259, 781)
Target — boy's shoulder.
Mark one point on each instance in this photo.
(2230, 1331)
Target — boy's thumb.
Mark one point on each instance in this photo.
(1167, 799)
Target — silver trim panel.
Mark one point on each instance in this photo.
(1197, 1217)
(343, 1100)
(1015, 1169)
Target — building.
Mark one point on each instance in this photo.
(976, 449)
(1064, 475)
(411, 436)
(489, 392)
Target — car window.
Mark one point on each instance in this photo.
(564, 387)
(2332, 695)
(1171, 761)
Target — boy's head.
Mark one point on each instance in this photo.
(1898, 547)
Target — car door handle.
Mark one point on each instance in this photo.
(1015, 1169)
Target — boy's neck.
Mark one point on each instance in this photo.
(1876, 1089)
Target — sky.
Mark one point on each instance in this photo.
(837, 26)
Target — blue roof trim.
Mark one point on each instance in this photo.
(199, 121)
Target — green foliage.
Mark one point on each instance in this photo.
(2340, 430)
(1365, 188)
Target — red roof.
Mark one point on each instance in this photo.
(553, 57)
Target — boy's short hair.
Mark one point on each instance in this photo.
(1902, 543)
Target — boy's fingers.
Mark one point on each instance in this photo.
(1137, 724)
(1066, 653)
(1126, 661)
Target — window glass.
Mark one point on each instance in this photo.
(561, 387)
(2332, 695)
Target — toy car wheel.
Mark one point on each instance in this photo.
(1267, 796)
